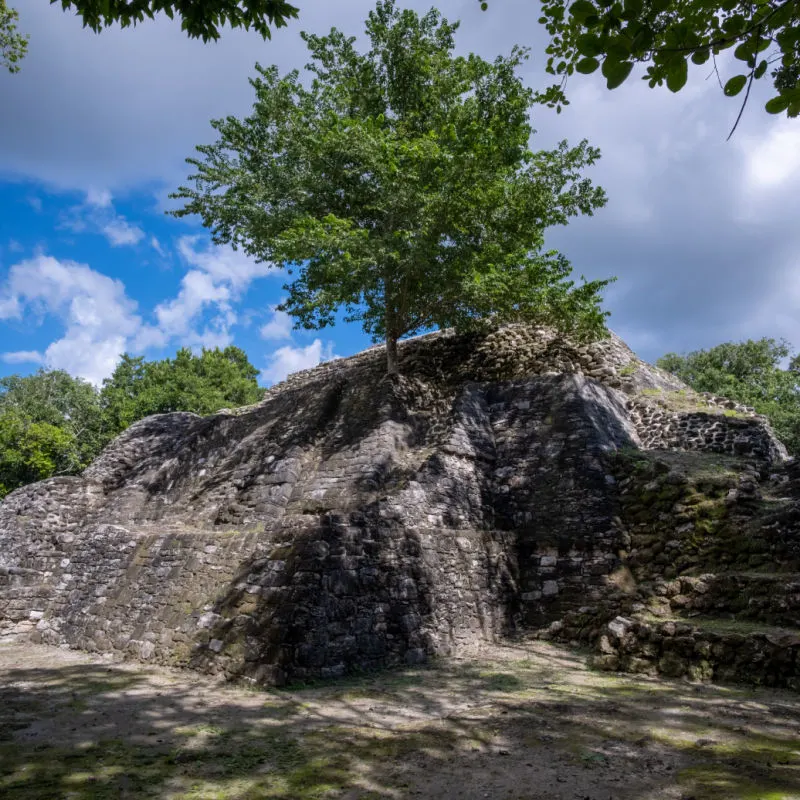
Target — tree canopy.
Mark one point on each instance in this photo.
(54, 424)
(50, 423)
(586, 35)
(398, 184)
(13, 45)
(748, 372)
(201, 19)
(665, 35)
(203, 384)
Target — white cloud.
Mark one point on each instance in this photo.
(156, 245)
(209, 338)
(120, 232)
(198, 290)
(98, 316)
(772, 161)
(223, 263)
(14, 246)
(86, 355)
(218, 277)
(97, 214)
(279, 327)
(10, 307)
(22, 357)
(35, 203)
(286, 360)
(100, 198)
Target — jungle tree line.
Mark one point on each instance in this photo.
(761, 373)
(54, 424)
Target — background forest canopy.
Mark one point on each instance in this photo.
(54, 424)
(749, 372)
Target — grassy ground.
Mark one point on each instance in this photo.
(515, 723)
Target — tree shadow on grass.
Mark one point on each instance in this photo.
(532, 724)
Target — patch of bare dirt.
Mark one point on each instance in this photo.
(515, 722)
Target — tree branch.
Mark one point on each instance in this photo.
(749, 84)
(729, 39)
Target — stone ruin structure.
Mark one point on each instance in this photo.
(508, 483)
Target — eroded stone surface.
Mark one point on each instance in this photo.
(351, 521)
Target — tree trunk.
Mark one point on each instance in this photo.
(391, 355)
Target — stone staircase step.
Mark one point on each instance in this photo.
(701, 648)
(771, 598)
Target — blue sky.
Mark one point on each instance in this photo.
(701, 233)
(88, 276)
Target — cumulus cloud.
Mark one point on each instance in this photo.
(279, 326)
(22, 357)
(214, 335)
(286, 360)
(218, 277)
(222, 263)
(772, 161)
(100, 198)
(198, 290)
(101, 321)
(98, 316)
(120, 232)
(97, 214)
(10, 307)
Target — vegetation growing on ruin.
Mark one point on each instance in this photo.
(398, 184)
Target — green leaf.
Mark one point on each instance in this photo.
(735, 85)
(744, 50)
(760, 70)
(582, 9)
(589, 45)
(643, 40)
(633, 8)
(587, 65)
(776, 105)
(616, 72)
(677, 75)
(701, 56)
(735, 24)
(618, 49)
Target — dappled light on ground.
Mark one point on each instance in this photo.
(517, 722)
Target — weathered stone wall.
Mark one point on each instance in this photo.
(736, 433)
(326, 600)
(681, 649)
(351, 521)
(321, 532)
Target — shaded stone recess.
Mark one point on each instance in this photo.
(352, 521)
(708, 585)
